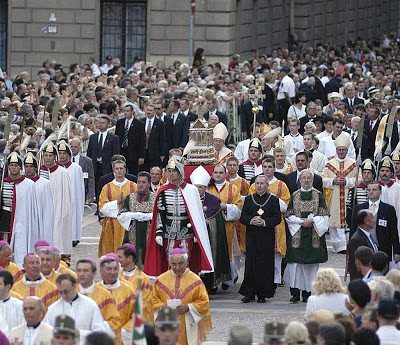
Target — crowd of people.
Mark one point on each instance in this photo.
(304, 143)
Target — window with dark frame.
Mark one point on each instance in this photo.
(123, 30)
(3, 33)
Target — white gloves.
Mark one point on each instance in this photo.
(159, 240)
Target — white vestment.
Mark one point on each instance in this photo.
(11, 311)
(242, 150)
(61, 188)
(392, 197)
(78, 194)
(24, 219)
(318, 162)
(44, 211)
(42, 335)
(83, 310)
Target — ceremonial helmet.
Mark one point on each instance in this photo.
(175, 163)
(369, 165)
(395, 156)
(14, 157)
(167, 317)
(30, 159)
(50, 148)
(256, 142)
(63, 146)
(386, 162)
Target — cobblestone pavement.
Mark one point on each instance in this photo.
(226, 306)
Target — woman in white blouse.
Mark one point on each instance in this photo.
(328, 293)
(298, 109)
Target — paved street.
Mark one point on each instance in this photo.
(226, 306)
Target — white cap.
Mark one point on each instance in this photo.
(200, 176)
(333, 95)
(220, 131)
(342, 141)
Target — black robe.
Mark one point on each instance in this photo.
(260, 246)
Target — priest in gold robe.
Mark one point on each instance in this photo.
(112, 196)
(183, 290)
(339, 177)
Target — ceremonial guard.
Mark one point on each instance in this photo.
(62, 197)
(308, 219)
(112, 197)
(178, 222)
(43, 198)
(77, 188)
(17, 214)
(252, 167)
(260, 214)
(183, 290)
(339, 177)
(222, 153)
(392, 189)
(136, 214)
(231, 204)
(216, 231)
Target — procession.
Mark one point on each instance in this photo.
(204, 179)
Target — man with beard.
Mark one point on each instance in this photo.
(136, 214)
(260, 215)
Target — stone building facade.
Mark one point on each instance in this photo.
(71, 31)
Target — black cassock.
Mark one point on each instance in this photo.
(260, 245)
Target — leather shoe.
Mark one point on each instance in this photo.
(213, 290)
(342, 252)
(248, 299)
(261, 300)
(224, 287)
(295, 299)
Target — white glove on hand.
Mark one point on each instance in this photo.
(159, 240)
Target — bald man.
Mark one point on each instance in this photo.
(33, 328)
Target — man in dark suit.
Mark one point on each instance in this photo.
(365, 222)
(102, 146)
(212, 110)
(184, 108)
(269, 99)
(179, 126)
(132, 139)
(371, 125)
(168, 126)
(302, 162)
(351, 98)
(353, 131)
(247, 116)
(333, 84)
(155, 138)
(385, 233)
(87, 168)
(319, 87)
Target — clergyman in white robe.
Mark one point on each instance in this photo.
(11, 312)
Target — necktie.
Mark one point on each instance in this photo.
(73, 159)
(373, 243)
(371, 125)
(148, 130)
(175, 117)
(100, 143)
(351, 103)
(373, 209)
(126, 132)
(353, 136)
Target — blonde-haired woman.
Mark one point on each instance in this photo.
(296, 333)
(328, 293)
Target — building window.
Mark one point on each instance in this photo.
(3, 33)
(123, 30)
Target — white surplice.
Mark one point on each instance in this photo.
(11, 312)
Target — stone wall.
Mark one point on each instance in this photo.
(32, 38)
